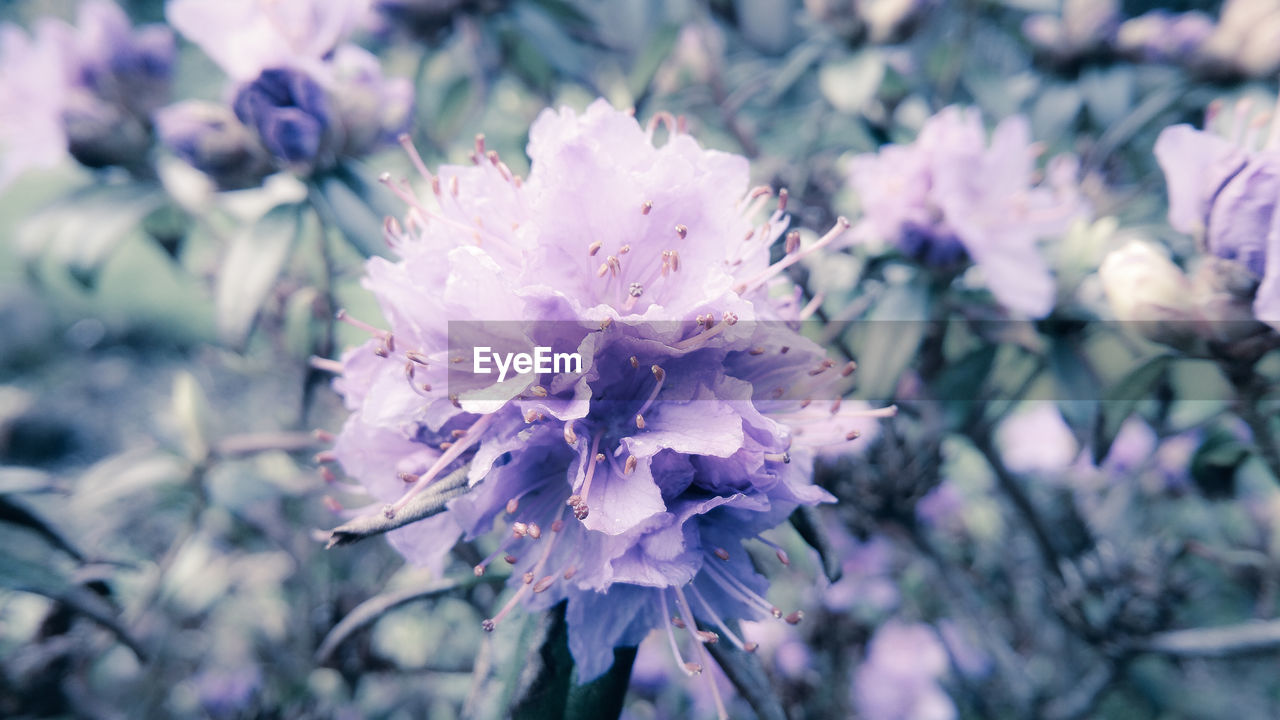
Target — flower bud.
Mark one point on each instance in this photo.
(1143, 285)
(369, 109)
(102, 134)
(290, 113)
(210, 138)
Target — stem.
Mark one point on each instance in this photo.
(324, 348)
(1219, 642)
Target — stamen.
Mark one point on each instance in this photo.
(848, 369)
(544, 583)
(512, 505)
(812, 307)
(768, 273)
(690, 669)
(538, 568)
(782, 457)
(639, 422)
(795, 617)
(720, 623)
(682, 231)
(693, 625)
(646, 207)
(777, 549)
(661, 376)
(735, 587)
(581, 509)
(782, 200)
(631, 464)
(415, 158)
(594, 248)
(570, 436)
(792, 242)
(473, 435)
(722, 554)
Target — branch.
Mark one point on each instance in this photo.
(250, 443)
(423, 505)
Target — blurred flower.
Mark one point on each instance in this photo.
(1225, 191)
(210, 139)
(899, 678)
(1036, 440)
(1246, 39)
(87, 90)
(227, 693)
(307, 99)
(950, 199)
(1144, 286)
(882, 20)
(1083, 27)
(1162, 36)
(631, 486)
(246, 37)
(867, 581)
(425, 20)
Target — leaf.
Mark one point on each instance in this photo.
(1120, 400)
(807, 522)
(191, 413)
(1055, 111)
(369, 611)
(604, 696)
(888, 340)
(82, 229)
(747, 674)
(423, 505)
(960, 382)
(545, 682)
(851, 82)
(346, 201)
(15, 513)
(249, 271)
(1076, 385)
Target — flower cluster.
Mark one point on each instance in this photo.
(949, 199)
(629, 488)
(899, 678)
(302, 97)
(88, 90)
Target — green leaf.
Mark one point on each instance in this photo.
(192, 415)
(887, 341)
(249, 271)
(747, 674)
(345, 199)
(545, 683)
(807, 522)
(1120, 400)
(651, 58)
(81, 230)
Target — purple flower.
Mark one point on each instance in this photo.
(631, 483)
(899, 678)
(245, 37)
(949, 199)
(1037, 440)
(208, 137)
(288, 110)
(1225, 191)
(1083, 27)
(1162, 36)
(306, 97)
(87, 90)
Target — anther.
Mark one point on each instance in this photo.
(594, 248)
(693, 668)
(417, 357)
(706, 636)
(848, 369)
(488, 625)
(640, 422)
(478, 570)
(538, 391)
(510, 559)
(750, 646)
(445, 445)
(783, 557)
(782, 200)
(407, 477)
(493, 157)
(570, 436)
(581, 511)
(456, 434)
(756, 351)
(512, 505)
(675, 620)
(793, 242)
(570, 572)
(325, 456)
(574, 500)
(784, 349)
(604, 268)
(557, 525)
(535, 532)
(327, 475)
(636, 290)
(682, 231)
(722, 554)
(630, 465)
(544, 583)
(852, 435)
(332, 503)
(519, 529)
(389, 511)
(599, 457)
(835, 406)
(795, 617)
(635, 362)
(624, 249)
(527, 578)
(646, 207)
(453, 399)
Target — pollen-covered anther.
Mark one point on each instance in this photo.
(445, 445)
(646, 207)
(538, 391)
(325, 456)
(848, 369)
(782, 457)
(389, 511)
(407, 477)
(782, 200)
(573, 501)
(675, 620)
(602, 270)
(512, 505)
(706, 636)
(682, 231)
(544, 583)
(605, 323)
(493, 157)
(806, 403)
(852, 435)
(630, 465)
(639, 422)
(783, 557)
(615, 265)
(453, 400)
(835, 406)
(756, 351)
(527, 578)
(693, 668)
(570, 436)
(750, 646)
(722, 554)
(624, 249)
(519, 529)
(416, 357)
(478, 570)
(557, 525)
(569, 572)
(795, 617)
(729, 318)
(635, 290)
(793, 242)
(535, 531)
(775, 612)
(581, 511)
(510, 559)
(594, 248)
(488, 625)
(635, 362)
(533, 416)
(599, 457)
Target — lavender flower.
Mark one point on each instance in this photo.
(899, 678)
(208, 137)
(1224, 190)
(629, 487)
(1162, 36)
(1082, 28)
(949, 200)
(88, 90)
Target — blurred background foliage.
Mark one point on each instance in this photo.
(158, 492)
